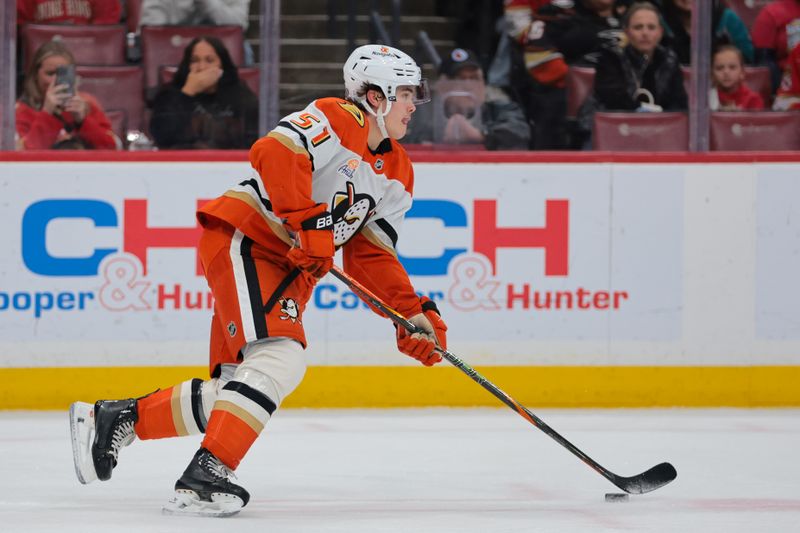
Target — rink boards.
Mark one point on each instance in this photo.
(607, 280)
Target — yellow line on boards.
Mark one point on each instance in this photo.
(359, 386)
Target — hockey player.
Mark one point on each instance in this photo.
(330, 176)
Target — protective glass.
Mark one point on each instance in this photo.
(422, 93)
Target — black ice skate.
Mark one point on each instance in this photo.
(205, 489)
(98, 433)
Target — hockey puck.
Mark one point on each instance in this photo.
(616, 497)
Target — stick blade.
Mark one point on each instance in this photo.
(647, 481)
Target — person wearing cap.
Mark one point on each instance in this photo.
(467, 111)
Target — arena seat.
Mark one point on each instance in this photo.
(119, 123)
(747, 9)
(250, 75)
(116, 87)
(90, 44)
(641, 132)
(757, 78)
(164, 46)
(755, 130)
(579, 84)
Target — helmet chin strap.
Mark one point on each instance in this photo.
(380, 117)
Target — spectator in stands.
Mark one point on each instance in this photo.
(50, 116)
(68, 11)
(586, 28)
(195, 12)
(550, 36)
(788, 97)
(730, 92)
(728, 29)
(206, 106)
(643, 76)
(198, 13)
(465, 110)
(776, 32)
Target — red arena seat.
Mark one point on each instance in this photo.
(755, 130)
(641, 132)
(116, 87)
(164, 45)
(579, 84)
(250, 75)
(757, 78)
(90, 44)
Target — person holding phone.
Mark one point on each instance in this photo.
(52, 114)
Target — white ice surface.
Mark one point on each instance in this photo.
(432, 470)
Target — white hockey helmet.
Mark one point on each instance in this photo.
(384, 67)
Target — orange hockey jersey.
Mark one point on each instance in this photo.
(317, 160)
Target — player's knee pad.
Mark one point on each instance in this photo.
(270, 371)
(274, 367)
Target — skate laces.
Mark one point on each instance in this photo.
(123, 435)
(210, 463)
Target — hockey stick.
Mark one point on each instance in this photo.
(647, 481)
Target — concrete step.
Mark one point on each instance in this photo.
(316, 26)
(384, 7)
(336, 50)
(304, 73)
(311, 73)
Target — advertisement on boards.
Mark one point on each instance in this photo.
(100, 263)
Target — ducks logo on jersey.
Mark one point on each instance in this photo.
(289, 310)
(350, 212)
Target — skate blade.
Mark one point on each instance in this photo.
(188, 503)
(81, 427)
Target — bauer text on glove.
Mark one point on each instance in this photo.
(314, 250)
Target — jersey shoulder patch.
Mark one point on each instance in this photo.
(347, 120)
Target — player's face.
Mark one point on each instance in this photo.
(47, 72)
(644, 31)
(728, 70)
(400, 114)
(204, 57)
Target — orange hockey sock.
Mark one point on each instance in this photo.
(176, 411)
(229, 437)
(155, 415)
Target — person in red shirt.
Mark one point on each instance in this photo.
(788, 96)
(68, 11)
(48, 116)
(730, 92)
(776, 31)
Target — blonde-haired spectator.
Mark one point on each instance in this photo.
(51, 115)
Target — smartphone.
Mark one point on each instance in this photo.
(65, 75)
